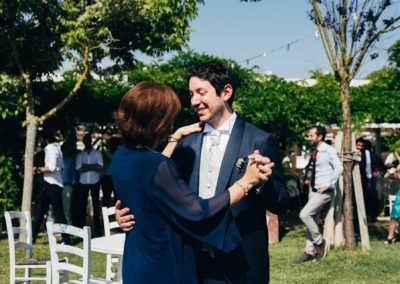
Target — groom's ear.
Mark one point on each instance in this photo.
(227, 92)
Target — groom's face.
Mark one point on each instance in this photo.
(208, 105)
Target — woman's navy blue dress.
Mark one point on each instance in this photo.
(169, 218)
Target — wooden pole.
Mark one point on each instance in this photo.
(358, 192)
(329, 227)
(273, 228)
(339, 237)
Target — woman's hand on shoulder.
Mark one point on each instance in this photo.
(186, 130)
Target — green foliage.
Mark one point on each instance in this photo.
(10, 98)
(8, 187)
(37, 34)
(30, 36)
(394, 54)
(377, 101)
(119, 29)
(287, 109)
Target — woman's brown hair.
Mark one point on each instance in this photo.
(147, 113)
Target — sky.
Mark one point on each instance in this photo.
(244, 30)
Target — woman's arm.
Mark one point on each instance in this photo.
(172, 192)
(181, 132)
(208, 221)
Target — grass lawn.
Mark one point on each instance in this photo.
(380, 265)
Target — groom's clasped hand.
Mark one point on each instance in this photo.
(263, 165)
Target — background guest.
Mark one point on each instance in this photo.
(89, 164)
(53, 185)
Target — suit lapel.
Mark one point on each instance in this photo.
(230, 156)
(194, 177)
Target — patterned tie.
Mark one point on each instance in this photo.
(213, 153)
(314, 165)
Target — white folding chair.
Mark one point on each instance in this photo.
(108, 226)
(57, 248)
(19, 231)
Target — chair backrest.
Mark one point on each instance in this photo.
(109, 224)
(19, 231)
(57, 247)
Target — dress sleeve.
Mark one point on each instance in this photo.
(208, 221)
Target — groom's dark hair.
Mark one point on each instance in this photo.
(216, 73)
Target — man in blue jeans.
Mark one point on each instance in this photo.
(326, 169)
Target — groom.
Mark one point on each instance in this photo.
(211, 89)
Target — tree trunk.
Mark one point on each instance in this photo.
(348, 225)
(31, 130)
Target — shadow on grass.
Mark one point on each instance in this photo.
(289, 222)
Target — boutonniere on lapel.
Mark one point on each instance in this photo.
(240, 164)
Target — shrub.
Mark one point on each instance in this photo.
(8, 187)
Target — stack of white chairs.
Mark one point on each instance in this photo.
(19, 230)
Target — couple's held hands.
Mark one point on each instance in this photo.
(258, 170)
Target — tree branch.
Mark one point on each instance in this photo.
(370, 40)
(343, 37)
(74, 90)
(324, 36)
(334, 33)
(357, 30)
(26, 77)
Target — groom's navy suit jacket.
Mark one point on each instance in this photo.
(249, 263)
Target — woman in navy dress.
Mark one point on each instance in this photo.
(168, 215)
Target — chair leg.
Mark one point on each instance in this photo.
(65, 273)
(65, 276)
(27, 274)
(48, 272)
(120, 268)
(12, 275)
(108, 267)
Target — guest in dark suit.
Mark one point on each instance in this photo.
(169, 215)
(211, 88)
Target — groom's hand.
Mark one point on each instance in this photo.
(264, 165)
(124, 218)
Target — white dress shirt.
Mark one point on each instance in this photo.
(368, 165)
(207, 180)
(53, 160)
(92, 157)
